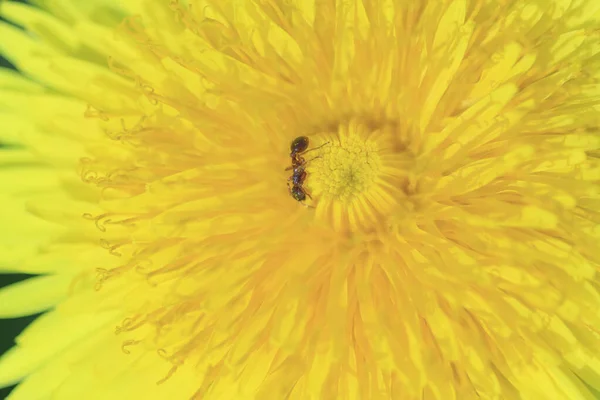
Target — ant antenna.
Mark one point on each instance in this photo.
(316, 148)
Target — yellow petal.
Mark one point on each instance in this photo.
(33, 295)
(17, 223)
(44, 338)
(47, 27)
(12, 127)
(64, 258)
(12, 80)
(452, 33)
(23, 51)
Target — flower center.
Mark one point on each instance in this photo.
(360, 175)
(348, 166)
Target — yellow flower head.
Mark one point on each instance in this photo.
(445, 241)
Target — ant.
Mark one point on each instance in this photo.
(298, 147)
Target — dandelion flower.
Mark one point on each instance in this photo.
(449, 247)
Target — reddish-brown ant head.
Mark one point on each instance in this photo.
(299, 145)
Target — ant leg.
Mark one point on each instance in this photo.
(296, 163)
(306, 193)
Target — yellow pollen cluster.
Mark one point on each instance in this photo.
(349, 164)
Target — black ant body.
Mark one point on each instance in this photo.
(299, 147)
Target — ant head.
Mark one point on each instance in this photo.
(299, 145)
